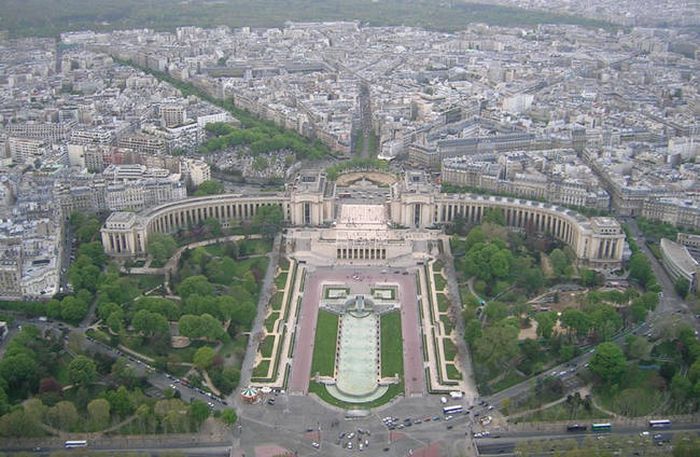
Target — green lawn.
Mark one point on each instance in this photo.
(510, 379)
(562, 412)
(438, 266)
(327, 291)
(235, 347)
(276, 301)
(284, 263)
(260, 370)
(447, 323)
(452, 371)
(391, 344)
(255, 247)
(443, 303)
(450, 349)
(266, 346)
(440, 282)
(281, 281)
(270, 321)
(323, 361)
(147, 282)
(320, 390)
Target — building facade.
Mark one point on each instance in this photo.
(414, 204)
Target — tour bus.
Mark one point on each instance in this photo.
(661, 423)
(576, 428)
(455, 409)
(75, 443)
(605, 427)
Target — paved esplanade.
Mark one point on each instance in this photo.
(359, 279)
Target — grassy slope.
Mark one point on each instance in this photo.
(391, 343)
(323, 360)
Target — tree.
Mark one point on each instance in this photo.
(204, 357)
(95, 251)
(605, 320)
(120, 401)
(82, 370)
(161, 247)
(4, 402)
(577, 321)
(226, 380)
(268, 220)
(150, 324)
(472, 331)
(228, 416)
(560, 262)
(194, 285)
(637, 347)
(35, 409)
(608, 363)
(213, 226)
(494, 216)
(199, 412)
(682, 286)
(545, 323)
(98, 410)
(209, 187)
(63, 415)
(497, 345)
(475, 236)
(590, 278)
(529, 278)
(20, 370)
(115, 321)
(640, 269)
(73, 310)
(123, 373)
(19, 424)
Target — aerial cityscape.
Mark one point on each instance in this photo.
(385, 227)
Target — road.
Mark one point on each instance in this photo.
(257, 327)
(506, 442)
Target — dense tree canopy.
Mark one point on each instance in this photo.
(161, 247)
(608, 363)
(210, 187)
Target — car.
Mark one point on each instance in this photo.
(351, 435)
(644, 433)
(315, 444)
(443, 400)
